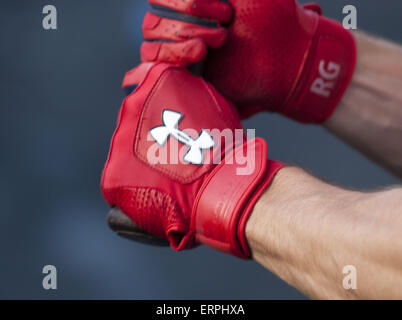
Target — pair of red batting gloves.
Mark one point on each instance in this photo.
(177, 165)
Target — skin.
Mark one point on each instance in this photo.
(306, 231)
(369, 116)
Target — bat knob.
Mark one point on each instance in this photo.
(126, 228)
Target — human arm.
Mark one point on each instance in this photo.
(369, 116)
(306, 231)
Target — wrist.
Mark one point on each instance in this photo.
(292, 215)
(268, 215)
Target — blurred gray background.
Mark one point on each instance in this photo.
(59, 97)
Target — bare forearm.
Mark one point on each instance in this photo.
(307, 231)
(369, 116)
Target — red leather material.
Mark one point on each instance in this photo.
(156, 28)
(160, 197)
(271, 57)
(137, 75)
(329, 66)
(314, 7)
(226, 198)
(180, 91)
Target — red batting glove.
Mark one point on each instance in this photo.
(278, 56)
(186, 186)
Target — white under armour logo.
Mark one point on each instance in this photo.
(170, 120)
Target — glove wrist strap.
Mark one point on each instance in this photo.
(327, 72)
(227, 197)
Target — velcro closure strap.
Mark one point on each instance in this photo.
(327, 73)
(226, 195)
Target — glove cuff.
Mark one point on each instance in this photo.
(326, 73)
(227, 198)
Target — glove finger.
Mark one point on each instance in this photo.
(157, 28)
(183, 53)
(126, 228)
(217, 10)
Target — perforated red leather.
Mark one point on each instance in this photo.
(209, 9)
(161, 197)
(271, 58)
